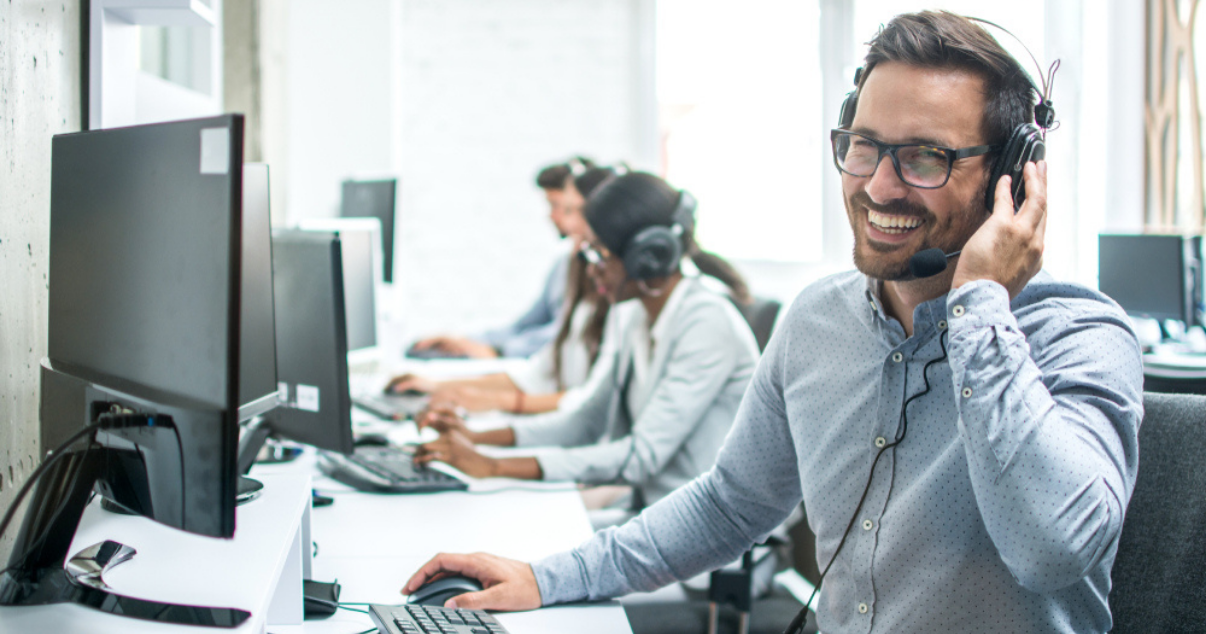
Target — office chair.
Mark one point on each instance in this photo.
(760, 314)
(1159, 575)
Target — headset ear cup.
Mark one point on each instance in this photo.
(1025, 145)
(653, 252)
(846, 116)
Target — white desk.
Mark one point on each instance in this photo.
(373, 543)
(177, 567)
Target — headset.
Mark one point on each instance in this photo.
(655, 251)
(1026, 144)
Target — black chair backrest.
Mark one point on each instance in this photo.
(1159, 575)
(760, 314)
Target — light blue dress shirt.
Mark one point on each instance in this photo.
(999, 512)
(542, 321)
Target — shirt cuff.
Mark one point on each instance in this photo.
(557, 465)
(560, 578)
(978, 304)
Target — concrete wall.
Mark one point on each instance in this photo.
(39, 97)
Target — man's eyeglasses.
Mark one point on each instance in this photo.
(923, 166)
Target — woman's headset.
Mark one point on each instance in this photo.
(655, 251)
(1026, 143)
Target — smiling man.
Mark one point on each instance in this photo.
(964, 444)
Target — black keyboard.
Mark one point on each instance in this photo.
(385, 470)
(391, 406)
(430, 619)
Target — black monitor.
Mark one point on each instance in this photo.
(1153, 276)
(361, 248)
(257, 334)
(144, 319)
(374, 199)
(311, 346)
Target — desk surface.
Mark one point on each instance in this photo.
(372, 543)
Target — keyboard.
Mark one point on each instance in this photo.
(391, 407)
(430, 619)
(385, 470)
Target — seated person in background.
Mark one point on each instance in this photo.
(965, 443)
(682, 362)
(562, 364)
(540, 323)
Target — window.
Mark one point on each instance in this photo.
(740, 122)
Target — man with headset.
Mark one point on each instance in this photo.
(964, 438)
(539, 325)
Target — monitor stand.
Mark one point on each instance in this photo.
(37, 572)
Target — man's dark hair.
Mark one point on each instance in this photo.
(940, 39)
(554, 176)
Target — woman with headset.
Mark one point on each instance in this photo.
(682, 362)
(562, 366)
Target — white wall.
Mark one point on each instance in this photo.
(39, 97)
(465, 100)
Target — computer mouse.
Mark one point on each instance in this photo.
(439, 591)
(371, 440)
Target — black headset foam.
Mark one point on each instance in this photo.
(656, 250)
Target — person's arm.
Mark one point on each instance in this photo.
(1071, 425)
(701, 361)
(704, 525)
(1050, 432)
(539, 325)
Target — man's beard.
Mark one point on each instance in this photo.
(898, 270)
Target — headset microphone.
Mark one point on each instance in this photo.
(930, 262)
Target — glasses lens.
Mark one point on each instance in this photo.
(923, 166)
(855, 154)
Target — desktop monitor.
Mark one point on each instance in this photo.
(1153, 276)
(144, 319)
(374, 199)
(361, 247)
(257, 332)
(311, 344)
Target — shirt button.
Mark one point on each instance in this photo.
(942, 325)
(862, 608)
(873, 306)
(958, 310)
(897, 357)
(867, 525)
(880, 442)
(967, 392)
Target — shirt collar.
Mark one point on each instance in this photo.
(666, 317)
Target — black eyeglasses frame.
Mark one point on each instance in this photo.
(951, 154)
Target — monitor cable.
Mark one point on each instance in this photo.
(797, 624)
(53, 456)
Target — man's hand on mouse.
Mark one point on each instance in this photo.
(507, 584)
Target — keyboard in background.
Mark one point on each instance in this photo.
(391, 406)
(385, 470)
(429, 619)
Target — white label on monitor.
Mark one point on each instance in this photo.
(215, 150)
(282, 392)
(307, 397)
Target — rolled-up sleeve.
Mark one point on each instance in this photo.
(1051, 439)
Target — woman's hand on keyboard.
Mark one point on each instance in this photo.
(455, 449)
(443, 418)
(508, 585)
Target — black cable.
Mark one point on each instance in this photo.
(52, 457)
(798, 622)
